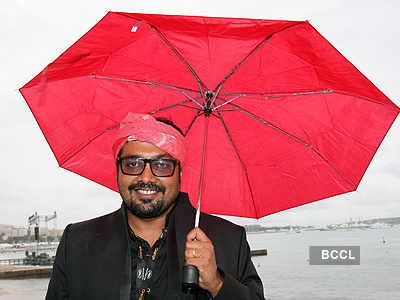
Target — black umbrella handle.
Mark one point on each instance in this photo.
(190, 279)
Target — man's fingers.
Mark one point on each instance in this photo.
(198, 247)
(191, 252)
(196, 262)
(191, 235)
(197, 252)
(197, 244)
(198, 234)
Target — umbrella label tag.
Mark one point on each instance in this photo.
(136, 26)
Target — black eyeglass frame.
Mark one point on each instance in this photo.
(147, 161)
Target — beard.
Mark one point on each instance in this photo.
(147, 208)
(154, 210)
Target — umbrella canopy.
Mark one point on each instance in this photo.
(274, 116)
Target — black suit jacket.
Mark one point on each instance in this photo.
(93, 258)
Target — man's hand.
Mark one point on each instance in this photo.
(200, 253)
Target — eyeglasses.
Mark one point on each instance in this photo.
(135, 166)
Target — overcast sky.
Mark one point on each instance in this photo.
(34, 33)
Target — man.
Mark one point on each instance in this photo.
(138, 252)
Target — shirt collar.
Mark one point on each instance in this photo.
(163, 235)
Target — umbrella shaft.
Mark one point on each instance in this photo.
(203, 159)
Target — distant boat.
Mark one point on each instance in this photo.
(353, 225)
(324, 229)
(380, 225)
(259, 252)
(359, 226)
(292, 230)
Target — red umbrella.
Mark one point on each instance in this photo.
(274, 116)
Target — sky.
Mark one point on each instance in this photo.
(34, 33)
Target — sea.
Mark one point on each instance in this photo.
(287, 274)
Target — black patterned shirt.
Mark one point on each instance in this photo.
(149, 266)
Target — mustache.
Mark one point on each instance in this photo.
(152, 186)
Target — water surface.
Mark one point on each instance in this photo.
(286, 273)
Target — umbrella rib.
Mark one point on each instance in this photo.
(191, 107)
(202, 92)
(193, 100)
(222, 110)
(224, 103)
(267, 95)
(174, 105)
(297, 140)
(328, 91)
(260, 45)
(243, 61)
(240, 160)
(362, 98)
(178, 55)
(215, 96)
(143, 82)
(191, 123)
(88, 142)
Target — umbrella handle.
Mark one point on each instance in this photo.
(190, 274)
(190, 279)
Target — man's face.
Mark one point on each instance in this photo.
(147, 196)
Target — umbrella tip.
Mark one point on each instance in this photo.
(207, 108)
(209, 94)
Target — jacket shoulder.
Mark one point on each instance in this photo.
(95, 226)
(212, 225)
(218, 224)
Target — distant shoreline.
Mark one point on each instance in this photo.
(29, 248)
(377, 223)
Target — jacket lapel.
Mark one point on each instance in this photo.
(126, 276)
(179, 225)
